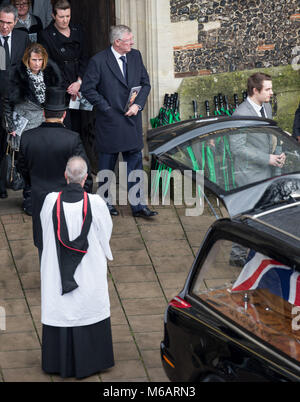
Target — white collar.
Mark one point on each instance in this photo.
(9, 36)
(256, 107)
(116, 54)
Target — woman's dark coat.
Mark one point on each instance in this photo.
(21, 88)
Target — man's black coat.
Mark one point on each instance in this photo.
(105, 87)
(19, 42)
(43, 156)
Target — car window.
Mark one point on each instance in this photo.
(257, 292)
(235, 157)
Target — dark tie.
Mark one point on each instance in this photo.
(123, 58)
(7, 56)
(262, 112)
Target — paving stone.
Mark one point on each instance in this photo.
(149, 340)
(151, 358)
(122, 369)
(28, 263)
(145, 306)
(6, 260)
(30, 280)
(19, 231)
(18, 341)
(21, 359)
(146, 323)
(121, 333)
(8, 275)
(3, 241)
(124, 226)
(30, 374)
(19, 323)
(21, 248)
(14, 307)
(162, 232)
(11, 290)
(117, 316)
(118, 243)
(195, 238)
(125, 351)
(143, 273)
(195, 223)
(172, 264)
(168, 248)
(157, 374)
(131, 257)
(171, 281)
(12, 218)
(145, 290)
(92, 378)
(33, 297)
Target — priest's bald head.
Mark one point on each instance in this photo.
(76, 170)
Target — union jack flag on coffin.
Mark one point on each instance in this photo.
(261, 272)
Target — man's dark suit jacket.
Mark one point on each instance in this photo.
(105, 87)
(19, 42)
(42, 160)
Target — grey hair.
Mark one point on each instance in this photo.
(76, 169)
(9, 9)
(117, 31)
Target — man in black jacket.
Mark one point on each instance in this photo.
(44, 152)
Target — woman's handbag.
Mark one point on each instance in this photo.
(14, 180)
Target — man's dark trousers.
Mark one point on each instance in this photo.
(134, 162)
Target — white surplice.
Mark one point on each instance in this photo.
(89, 303)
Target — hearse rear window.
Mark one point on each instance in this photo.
(254, 290)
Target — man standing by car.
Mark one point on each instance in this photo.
(254, 154)
(109, 79)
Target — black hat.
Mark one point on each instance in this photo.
(55, 99)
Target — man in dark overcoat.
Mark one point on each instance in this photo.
(108, 80)
(44, 152)
(14, 43)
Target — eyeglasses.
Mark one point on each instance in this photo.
(22, 4)
(127, 40)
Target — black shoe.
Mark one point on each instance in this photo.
(112, 210)
(3, 194)
(28, 211)
(144, 213)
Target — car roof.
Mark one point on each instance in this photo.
(176, 146)
(162, 139)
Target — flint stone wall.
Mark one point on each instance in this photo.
(235, 35)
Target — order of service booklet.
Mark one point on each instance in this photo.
(131, 98)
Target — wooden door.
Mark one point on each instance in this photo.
(96, 17)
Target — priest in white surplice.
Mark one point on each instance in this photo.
(76, 228)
